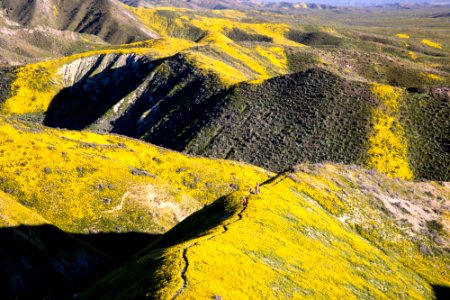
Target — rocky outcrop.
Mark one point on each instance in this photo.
(130, 95)
(93, 86)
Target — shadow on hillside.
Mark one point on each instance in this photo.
(441, 292)
(80, 105)
(44, 262)
(147, 270)
(197, 224)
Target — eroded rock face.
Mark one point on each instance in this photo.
(92, 86)
(133, 96)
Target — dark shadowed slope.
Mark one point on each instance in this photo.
(312, 116)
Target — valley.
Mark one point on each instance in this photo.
(131, 131)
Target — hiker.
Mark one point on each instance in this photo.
(257, 188)
(244, 202)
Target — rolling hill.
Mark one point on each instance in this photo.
(66, 176)
(301, 97)
(286, 244)
(38, 30)
(340, 116)
(104, 18)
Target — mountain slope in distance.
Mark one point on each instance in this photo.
(105, 18)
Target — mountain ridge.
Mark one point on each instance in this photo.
(316, 151)
(100, 18)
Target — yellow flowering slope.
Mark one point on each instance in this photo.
(285, 245)
(388, 151)
(431, 44)
(81, 180)
(37, 84)
(402, 35)
(12, 213)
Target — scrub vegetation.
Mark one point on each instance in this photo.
(340, 115)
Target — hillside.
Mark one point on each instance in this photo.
(206, 92)
(37, 30)
(131, 134)
(227, 4)
(101, 190)
(84, 182)
(104, 18)
(317, 116)
(21, 44)
(66, 176)
(297, 239)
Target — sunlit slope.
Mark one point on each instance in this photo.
(383, 56)
(37, 84)
(13, 213)
(88, 182)
(199, 99)
(216, 70)
(295, 240)
(191, 24)
(104, 18)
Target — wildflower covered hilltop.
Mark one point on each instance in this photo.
(241, 150)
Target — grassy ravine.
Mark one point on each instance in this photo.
(289, 244)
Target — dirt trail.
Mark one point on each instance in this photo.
(185, 250)
(225, 229)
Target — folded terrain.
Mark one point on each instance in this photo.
(296, 239)
(104, 18)
(340, 116)
(21, 44)
(89, 184)
(254, 92)
(37, 30)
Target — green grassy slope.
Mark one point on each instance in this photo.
(309, 116)
(317, 116)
